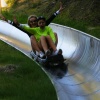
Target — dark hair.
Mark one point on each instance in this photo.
(41, 17)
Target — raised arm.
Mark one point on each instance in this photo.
(5, 19)
(48, 21)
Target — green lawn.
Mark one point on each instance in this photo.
(26, 82)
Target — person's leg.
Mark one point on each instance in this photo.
(44, 43)
(53, 46)
(34, 44)
(51, 43)
(45, 46)
(56, 38)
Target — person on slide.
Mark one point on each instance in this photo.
(45, 38)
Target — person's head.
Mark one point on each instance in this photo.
(32, 21)
(41, 22)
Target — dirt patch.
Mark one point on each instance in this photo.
(10, 68)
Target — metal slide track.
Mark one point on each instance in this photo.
(81, 51)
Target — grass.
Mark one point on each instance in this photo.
(27, 81)
(95, 31)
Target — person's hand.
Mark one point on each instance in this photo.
(15, 21)
(61, 7)
(3, 18)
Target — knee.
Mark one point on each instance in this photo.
(48, 37)
(32, 38)
(42, 37)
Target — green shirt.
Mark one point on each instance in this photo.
(38, 32)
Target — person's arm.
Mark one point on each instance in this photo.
(16, 24)
(29, 31)
(48, 21)
(32, 31)
(5, 19)
(22, 29)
